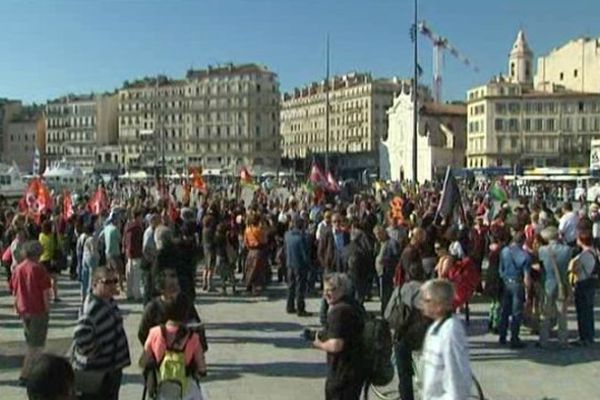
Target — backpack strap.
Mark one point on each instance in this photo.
(437, 328)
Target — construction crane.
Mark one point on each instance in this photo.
(440, 44)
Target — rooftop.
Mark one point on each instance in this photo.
(227, 70)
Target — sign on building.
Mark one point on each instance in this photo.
(595, 154)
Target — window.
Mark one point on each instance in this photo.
(513, 143)
(580, 106)
(562, 76)
(498, 125)
(500, 108)
(550, 125)
(512, 69)
(539, 124)
(575, 73)
(513, 125)
(527, 125)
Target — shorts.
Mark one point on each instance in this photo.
(36, 330)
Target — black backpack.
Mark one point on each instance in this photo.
(377, 347)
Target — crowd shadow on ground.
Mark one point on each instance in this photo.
(289, 369)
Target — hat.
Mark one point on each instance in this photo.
(550, 233)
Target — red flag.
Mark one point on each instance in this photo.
(316, 177)
(68, 205)
(332, 184)
(37, 199)
(99, 202)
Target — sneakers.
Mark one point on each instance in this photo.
(304, 314)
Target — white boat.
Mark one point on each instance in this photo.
(62, 175)
(11, 182)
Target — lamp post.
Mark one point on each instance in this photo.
(415, 88)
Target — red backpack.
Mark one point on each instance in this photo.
(465, 277)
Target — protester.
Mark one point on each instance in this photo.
(446, 366)
(583, 269)
(30, 284)
(515, 267)
(51, 378)
(341, 342)
(133, 246)
(101, 350)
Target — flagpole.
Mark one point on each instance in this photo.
(327, 110)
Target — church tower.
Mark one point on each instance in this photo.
(520, 61)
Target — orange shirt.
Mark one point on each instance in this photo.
(253, 237)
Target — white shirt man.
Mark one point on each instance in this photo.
(446, 366)
(567, 226)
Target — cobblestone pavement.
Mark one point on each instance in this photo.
(256, 353)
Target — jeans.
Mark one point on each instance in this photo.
(512, 306)
(296, 289)
(584, 305)
(404, 367)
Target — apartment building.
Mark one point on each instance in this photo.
(222, 117)
(573, 66)
(511, 123)
(77, 125)
(21, 136)
(357, 120)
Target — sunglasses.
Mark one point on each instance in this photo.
(109, 281)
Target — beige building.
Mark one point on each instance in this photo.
(77, 125)
(20, 138)
(357, 120)
(574, 66)
(221, 117)
(509, 123)
(441, 138)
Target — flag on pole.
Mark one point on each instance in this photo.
(451, 199)
(316, 178)
(498, 193)
(36, 200)
(332, 184)
(68, 211)
(99, 202)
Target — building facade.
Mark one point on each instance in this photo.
(22, 136)
(8, 108)
(221, 117)
(77, 125)
(510, 123)
(574, 66)
(441, 138)
(357, 119)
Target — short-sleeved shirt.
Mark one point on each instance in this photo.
(48, 242)
(344, 322)
(29, 281)
(112, 240)
(157, 346)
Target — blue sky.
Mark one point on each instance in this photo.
(53, 47)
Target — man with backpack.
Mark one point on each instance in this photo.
(342, 342)
(409, 325)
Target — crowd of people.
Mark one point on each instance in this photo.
(389, 245)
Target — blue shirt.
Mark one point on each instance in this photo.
(514, 263)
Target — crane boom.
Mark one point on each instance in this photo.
(440, 44)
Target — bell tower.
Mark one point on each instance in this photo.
(520, 61)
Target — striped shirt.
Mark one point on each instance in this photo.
(100, 340)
